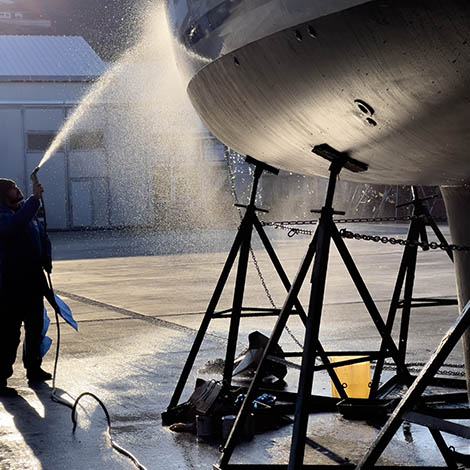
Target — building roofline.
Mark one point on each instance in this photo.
(18, 103)
(48, 78)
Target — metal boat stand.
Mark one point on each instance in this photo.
(242, 245)
(318, 253)
(412, 410)
(417, 233)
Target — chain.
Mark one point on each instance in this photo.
(354, 220)
(288, 224)
(375, 238)
(400, 241)
(342, 221)
(293, 231)
(270, 297)
(252, 253)
(417, 366)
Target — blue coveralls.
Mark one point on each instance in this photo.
(24, 251)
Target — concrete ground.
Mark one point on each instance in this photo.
(139, 299)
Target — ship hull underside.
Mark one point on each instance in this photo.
(387, 82)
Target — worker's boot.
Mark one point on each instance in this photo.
(6, 391)
(38, 375)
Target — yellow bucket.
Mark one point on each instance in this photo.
(354, 377)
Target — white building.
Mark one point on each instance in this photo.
(42, 79)
(119, 166)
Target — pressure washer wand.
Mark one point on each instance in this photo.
(35, 180)
(34, 175)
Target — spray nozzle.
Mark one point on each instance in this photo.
(34, 175)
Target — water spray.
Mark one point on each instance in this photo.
(116, 81)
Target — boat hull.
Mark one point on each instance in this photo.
(387, 82)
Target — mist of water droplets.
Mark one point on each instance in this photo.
(158, 157)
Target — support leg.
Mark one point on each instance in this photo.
(390, 319)
(407, 299)
(311, 338)
(416, 390)
(238, 299)
(440, 236)
(444, 448)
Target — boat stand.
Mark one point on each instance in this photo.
(417, 233)
(318, 253)
(241, 245)
(411, 410)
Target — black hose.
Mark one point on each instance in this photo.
(115, 446)
(54, 396)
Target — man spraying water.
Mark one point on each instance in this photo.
(25, 252)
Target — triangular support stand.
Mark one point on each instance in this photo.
(318, 254)
(417, 234)
(241, 246)
(408, 409)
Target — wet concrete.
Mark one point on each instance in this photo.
(139, 307)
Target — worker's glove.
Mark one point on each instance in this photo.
(47, 264)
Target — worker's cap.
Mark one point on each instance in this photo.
(5, 186)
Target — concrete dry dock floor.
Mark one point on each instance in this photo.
(139, 306)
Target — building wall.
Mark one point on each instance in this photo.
(40, 92)
(38, 121)
(29, 111)
(114, 169)
(11, 144)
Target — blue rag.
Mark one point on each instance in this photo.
(66, 314)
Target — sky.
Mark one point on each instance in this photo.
(108, 25)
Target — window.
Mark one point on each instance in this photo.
(87, 141)
(39, 141)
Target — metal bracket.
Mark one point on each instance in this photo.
(334, 156)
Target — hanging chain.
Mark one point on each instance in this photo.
(353, 220)
(292, 231)
(400, 241)
(343, 221)
(270, 297)
(289, 225)
(418, 366)
(252, 253)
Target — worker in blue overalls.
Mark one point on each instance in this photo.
(25, 252)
